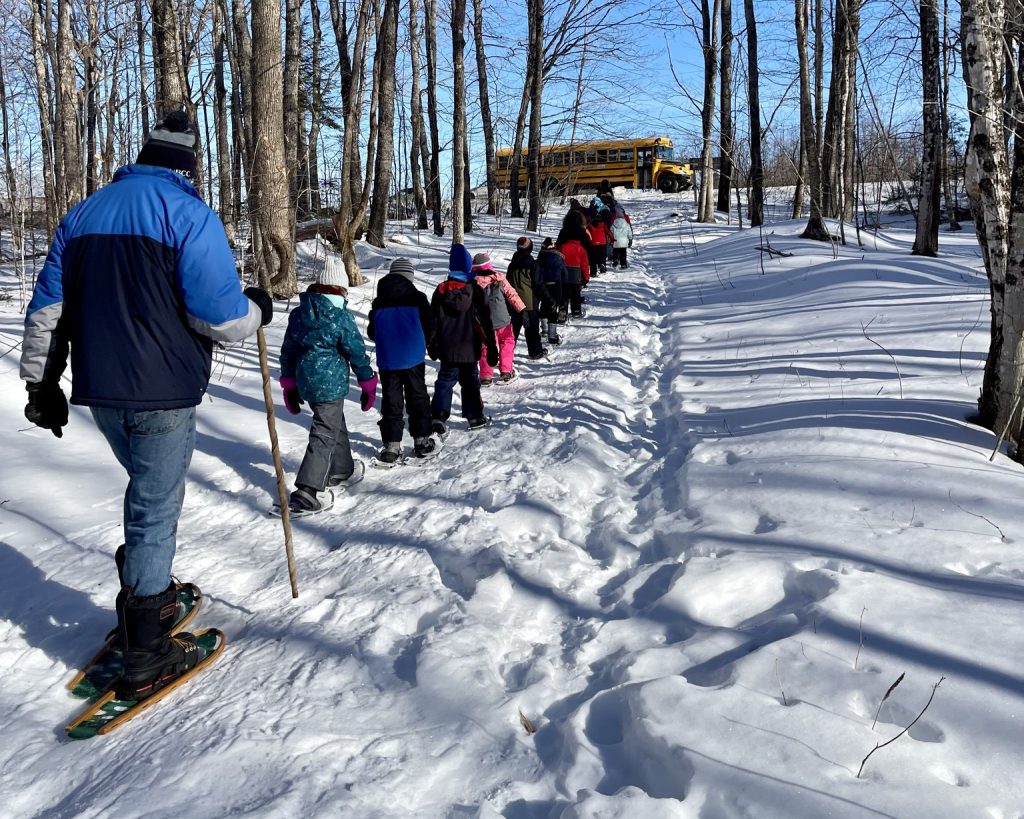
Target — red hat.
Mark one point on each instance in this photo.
(525, 243)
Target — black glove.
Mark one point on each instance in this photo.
(262, 299)
(47, 407)
(492, 356)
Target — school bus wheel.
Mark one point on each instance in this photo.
(667, 183)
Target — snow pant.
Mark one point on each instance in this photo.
(619, 259)
(404, 390)
(598, 258)
(467, 376)
(506, 339)
(575, 300)
(529, 320)
(328, 455)
(155, 448)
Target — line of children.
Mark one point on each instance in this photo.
(470, 325)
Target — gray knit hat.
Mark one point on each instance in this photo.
(403, 267)
(481, 259)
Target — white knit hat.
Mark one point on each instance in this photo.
(402, 266)
(333, 273)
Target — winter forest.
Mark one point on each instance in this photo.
(742, 540)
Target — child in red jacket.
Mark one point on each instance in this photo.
(573, 243)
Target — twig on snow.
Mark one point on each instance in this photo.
(901, 733)
(899, 375)
(860, 638)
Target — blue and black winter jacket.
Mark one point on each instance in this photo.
(400, 322)
(140, 281)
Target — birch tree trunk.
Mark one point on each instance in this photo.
(458, 119)
(485, 106)
(269, 172)
(709, 44)
(989, 182)
(947, 182)
(926, 240)
(756, 204)
(725, 136)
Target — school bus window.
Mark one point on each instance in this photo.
(613, 154)
(591, 157)
(662, 152)
(578, 158)
(626, 155)
(502, 163)
(558, 159)
(602, 156)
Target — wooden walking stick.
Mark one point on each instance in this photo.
(282, 491)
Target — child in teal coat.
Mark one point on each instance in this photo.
(321, 343)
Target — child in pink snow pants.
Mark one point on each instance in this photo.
(503, 300)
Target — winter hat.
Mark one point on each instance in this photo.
(547, 242)
(460, 263)
(482, 263)
(171, 144)
(333, 274)
(403, 267)
(525, 243)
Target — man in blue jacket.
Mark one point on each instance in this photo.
(139, 282)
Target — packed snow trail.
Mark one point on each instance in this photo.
(659, 554)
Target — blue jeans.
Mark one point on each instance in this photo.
(155, 448)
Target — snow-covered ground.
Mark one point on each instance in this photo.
(694, 550)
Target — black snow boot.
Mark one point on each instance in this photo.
(153, 657)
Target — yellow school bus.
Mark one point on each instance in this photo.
(633, 163)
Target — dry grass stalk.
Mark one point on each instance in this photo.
(892, 688)
(901, 733)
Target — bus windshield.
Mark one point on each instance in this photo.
(663, 152)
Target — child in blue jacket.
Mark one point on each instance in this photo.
(321, 343)
(401, 323)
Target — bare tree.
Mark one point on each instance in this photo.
(269, 172)
(434, 182)
(352, 206)
(756, 203)
(44, 100)
(926, 240)
(709, 46)
(225, 197)
(816, 224)
(458, 119)
(419, 155)
(725, 135)
(387, 45)
(535, 12)
(995, 187)
(485, 106)
(292, 120)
